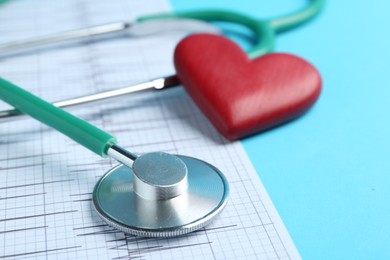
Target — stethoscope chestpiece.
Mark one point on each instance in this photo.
(162, 195)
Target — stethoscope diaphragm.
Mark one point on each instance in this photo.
(118, 197)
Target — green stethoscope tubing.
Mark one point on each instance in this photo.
(77, 129)
(265, 30)
(99, 141)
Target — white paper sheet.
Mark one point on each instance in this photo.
(46, 179)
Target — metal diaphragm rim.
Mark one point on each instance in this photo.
(118, 205)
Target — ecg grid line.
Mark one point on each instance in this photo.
(47, 179)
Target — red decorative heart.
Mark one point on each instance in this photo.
(240, 96)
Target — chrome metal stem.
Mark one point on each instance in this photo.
(157, 84)
(122, 155)
(64, 36)
(134, 29)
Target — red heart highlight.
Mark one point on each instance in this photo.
(240, 96)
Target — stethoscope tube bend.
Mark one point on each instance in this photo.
(264, 30)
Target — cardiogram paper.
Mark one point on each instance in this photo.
(46, 179)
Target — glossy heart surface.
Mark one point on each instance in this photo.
(240, 96)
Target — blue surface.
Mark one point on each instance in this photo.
(328, 173)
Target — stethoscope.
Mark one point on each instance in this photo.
(155, 194)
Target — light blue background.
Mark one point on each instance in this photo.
(328, 173)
